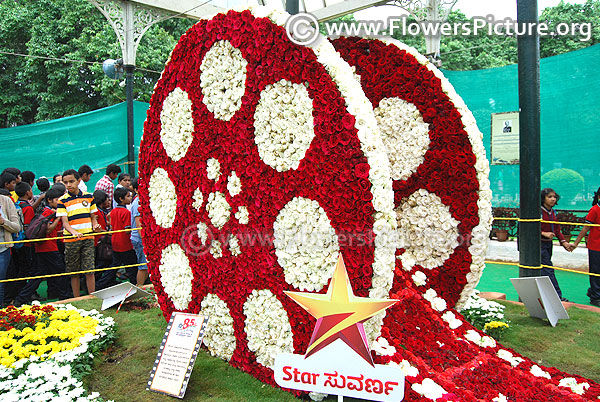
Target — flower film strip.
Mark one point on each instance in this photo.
(445, 179)
(260, 162)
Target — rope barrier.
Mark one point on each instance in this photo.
(87, 235)
(69, 273)
(542, 266)
(543, 221)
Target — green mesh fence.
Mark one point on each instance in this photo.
(570, 103)
(96, 138)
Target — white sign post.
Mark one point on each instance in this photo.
(540, 298)
(178, 351)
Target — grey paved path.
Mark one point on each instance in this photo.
(507, 252)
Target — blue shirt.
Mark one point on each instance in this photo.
(135, 234)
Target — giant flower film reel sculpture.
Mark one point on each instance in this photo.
(262, 160)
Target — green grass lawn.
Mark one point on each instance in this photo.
(121, 373)
(496, 278)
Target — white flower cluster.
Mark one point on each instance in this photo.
(485, 310)
(219, 337)
(429, 389)
(45, 381)
(451, 319)
(215, 249)
(437, 303)
(202, 232)
(242, 215)
(508, 356)
(419, 278)
(382, 347)
(223, 79)
(52, 380)
(577, 388)
(234, 184)
(176, 276)
(500, 398)
(405, 135)
(483, 341)
(213, 169)
(267, 327)
(538, 372)
(283, 124)
(163, 198)
(218, 209)
(407, 369)
(177, 124)
(234, 245)
(305, 244)
(198, 198)
(427, 229)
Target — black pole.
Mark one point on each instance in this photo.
(292, 7)
(130, 141)
(529, 127)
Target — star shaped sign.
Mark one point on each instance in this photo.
(340, 314)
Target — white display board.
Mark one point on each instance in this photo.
(540, 298)
(177, 353)
(119, 293)
(338, 370)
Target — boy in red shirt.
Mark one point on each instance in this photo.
(123, 253)
(48, 259)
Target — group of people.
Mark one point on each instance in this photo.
(550, 230)
(66, 209)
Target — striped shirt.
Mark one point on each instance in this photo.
(105, 184)
(78, 209)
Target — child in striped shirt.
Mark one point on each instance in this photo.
(77, 212)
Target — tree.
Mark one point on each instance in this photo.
(39, 89)
(577, 14)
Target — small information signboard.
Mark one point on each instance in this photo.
(177, 354)
(505, 138)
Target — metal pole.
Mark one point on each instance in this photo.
(130, 143)
(292, 7)
(529, 126)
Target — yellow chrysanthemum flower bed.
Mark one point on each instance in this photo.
(49, 333)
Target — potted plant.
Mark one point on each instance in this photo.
(503, 228)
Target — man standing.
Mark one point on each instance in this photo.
(106, 182)
(85, 174)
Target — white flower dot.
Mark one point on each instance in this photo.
(177, 124)
(306, 244)
(176, 276)
(283, 124)
(267, 327)
(219, 337)
(163, 198)
(427, 229)
(223, 79)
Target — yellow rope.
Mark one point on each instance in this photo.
(87, 235)
(69, 273)
(542, 266)
(543, 221)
